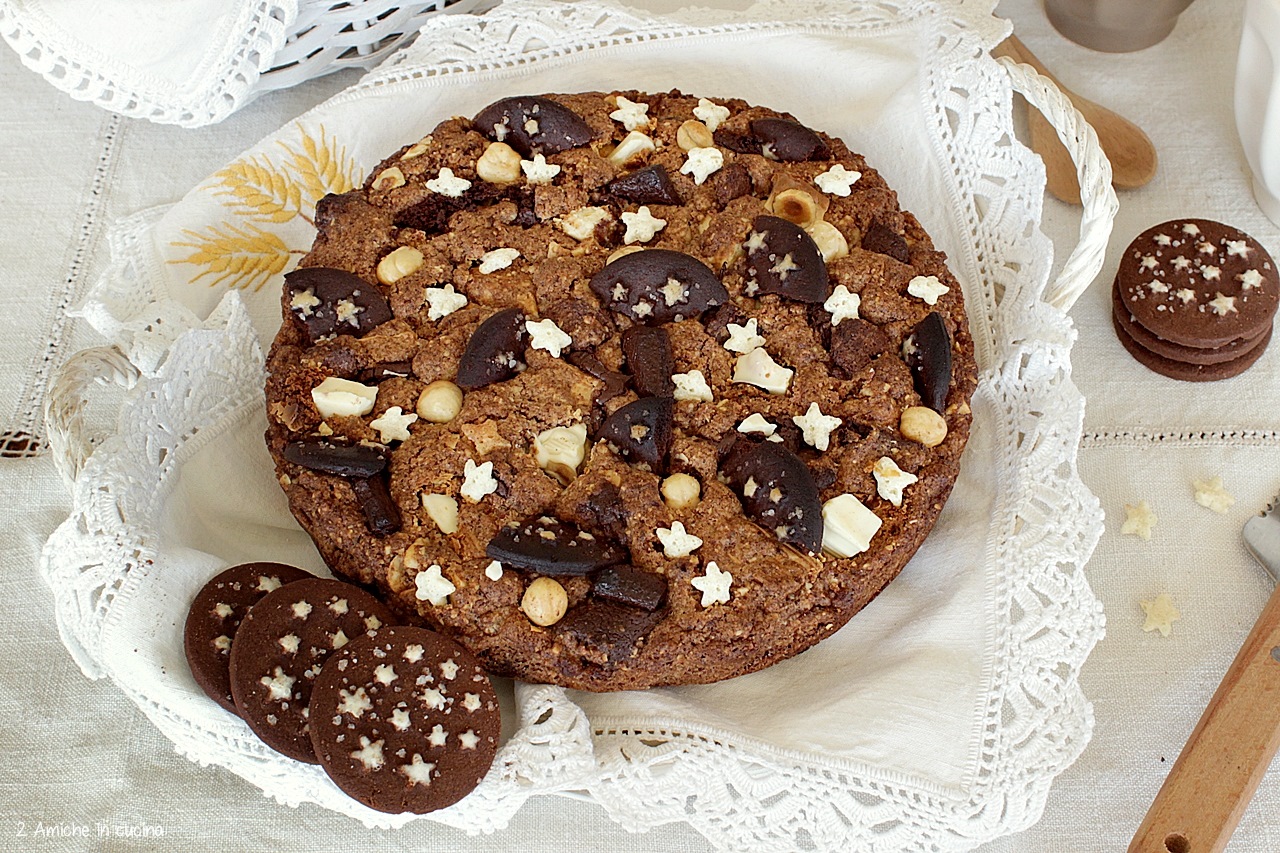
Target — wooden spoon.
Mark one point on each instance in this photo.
(1133, 157)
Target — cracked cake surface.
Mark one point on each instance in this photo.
(621, 390)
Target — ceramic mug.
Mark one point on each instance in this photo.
(1257, 101)
(1115, 26)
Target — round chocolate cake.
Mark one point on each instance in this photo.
(621, 390)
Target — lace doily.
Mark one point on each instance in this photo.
(145, 531)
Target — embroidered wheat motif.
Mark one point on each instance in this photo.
(259, 189)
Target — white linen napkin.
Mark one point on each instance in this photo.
(186, 62)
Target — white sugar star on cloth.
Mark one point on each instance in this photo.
(1160, 614)
(1139, 521)
(497, 259)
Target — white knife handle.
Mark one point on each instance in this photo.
(1211, 783)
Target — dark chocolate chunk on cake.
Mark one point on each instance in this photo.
(621, 390)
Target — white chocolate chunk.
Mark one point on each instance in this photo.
(560, 450)
(497, 259)
(692, 386)
(631, 148)
(756, 423)
(493, 571)
(336, 396)
(847, 526)
(581, 224)
(758, 368)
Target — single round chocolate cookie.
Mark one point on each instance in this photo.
(1177, 352)
(621, 390)
(1198, 283)
(405, 720)
(215, 616)
(281, 646)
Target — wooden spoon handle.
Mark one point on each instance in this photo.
(1211, 783)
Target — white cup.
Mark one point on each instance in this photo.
(1258, 101)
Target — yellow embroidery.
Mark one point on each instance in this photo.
(242, 258)
(253, 189)
(258, 189)
(320, 168)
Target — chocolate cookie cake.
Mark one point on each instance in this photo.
(621, 390)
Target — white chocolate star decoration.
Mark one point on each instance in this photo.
(676, 541)
(927, 288)
(843, 305)
(642, 226)
(743, 339)
(433, 586)
(714, 585)
(393, 424)
(837, 180)
(817, 427)
(546, 335)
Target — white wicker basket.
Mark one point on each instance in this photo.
(329, 35)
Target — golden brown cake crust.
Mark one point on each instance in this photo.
(781, 600)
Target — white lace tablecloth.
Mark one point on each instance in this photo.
(84, 758)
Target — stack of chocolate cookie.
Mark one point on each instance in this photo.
(1194, 299)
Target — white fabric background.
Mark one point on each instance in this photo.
(78, 753)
